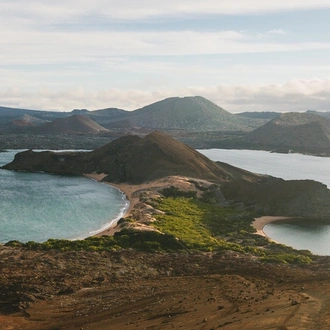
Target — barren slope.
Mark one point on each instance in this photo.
(76, 124)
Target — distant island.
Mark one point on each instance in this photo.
(195, 121)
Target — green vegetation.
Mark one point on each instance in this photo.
(147, 241)
(203, 226)
(188, 224)
(206, 227)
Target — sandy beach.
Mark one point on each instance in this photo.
(260, 223)
(133, 193)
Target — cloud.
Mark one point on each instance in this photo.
(34, 47)
(277, 31)
(75, 10)
(294, 95)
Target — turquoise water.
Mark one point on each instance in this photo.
(37, 206)
(300, 234)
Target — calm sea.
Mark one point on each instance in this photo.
(313, 236)
(37, 206)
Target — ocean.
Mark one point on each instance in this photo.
(39, 206)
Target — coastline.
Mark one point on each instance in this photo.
(111, 229)
(260, 223)
(132, 192)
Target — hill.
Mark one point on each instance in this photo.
(188, 113)
(129, 159)
(27, 121)
(300, 132)
(102, 116)
(76, 124)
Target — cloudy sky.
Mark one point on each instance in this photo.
(243, 55)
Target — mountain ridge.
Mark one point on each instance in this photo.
(184, 113)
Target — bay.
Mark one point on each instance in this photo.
(301, 234)
(38, 206)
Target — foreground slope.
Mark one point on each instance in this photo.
(302, 132)
(47, 290)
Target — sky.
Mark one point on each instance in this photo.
(243, 55)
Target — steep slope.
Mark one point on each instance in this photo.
(302, 132)
(131, 159)
(75, 124)
(188, 113)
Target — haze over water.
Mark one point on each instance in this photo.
(305, 235)
(38, 206)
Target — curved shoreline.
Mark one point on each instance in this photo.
(260, 223)
(110, 228)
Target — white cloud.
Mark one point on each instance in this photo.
(277, 31)
(62, 10)
(32, 47)
(294, 95)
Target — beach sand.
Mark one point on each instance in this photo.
(132, 193)
(260, 223)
